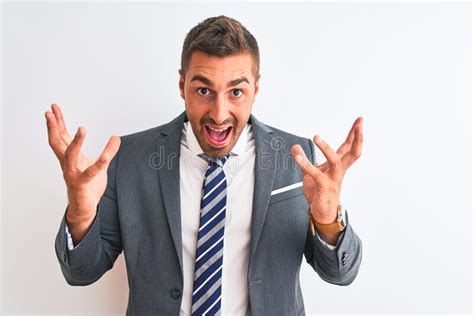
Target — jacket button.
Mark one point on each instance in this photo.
(344, 258)
(175, 293)
(64, 257)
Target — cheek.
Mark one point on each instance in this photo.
(195, 113)
(194, 105)
(241, 109)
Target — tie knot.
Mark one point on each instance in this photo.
(215, 162)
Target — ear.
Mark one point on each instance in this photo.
(181, 83)
(257, 87)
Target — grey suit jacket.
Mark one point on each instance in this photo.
(139, 213)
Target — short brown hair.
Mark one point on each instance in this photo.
(220, 36)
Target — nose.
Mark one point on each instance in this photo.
(219, 111)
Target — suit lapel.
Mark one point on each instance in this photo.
(168, 147)
(265, 168)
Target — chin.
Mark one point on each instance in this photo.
(217, 152)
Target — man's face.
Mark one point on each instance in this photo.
(219, 93)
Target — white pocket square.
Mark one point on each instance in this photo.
(287, 188)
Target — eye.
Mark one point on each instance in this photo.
(237, 93)
(203, 91)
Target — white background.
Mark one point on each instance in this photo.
(113, 68)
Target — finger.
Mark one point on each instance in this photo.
(351, 135)
(323, 167)
(343, 149)
(103, 160)
(54, 139)
(74, 148)
(332, 157)
(356, 148)
(61, 124)
(347, 144)
(305, 165)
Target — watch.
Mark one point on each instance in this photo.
(332, 228)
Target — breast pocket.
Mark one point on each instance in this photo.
(287, 221)
(287, 192)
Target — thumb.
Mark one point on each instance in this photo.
(305, 165)
(300, 157)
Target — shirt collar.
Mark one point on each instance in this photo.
(238, 149)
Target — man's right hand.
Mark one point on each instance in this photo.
(86, 179)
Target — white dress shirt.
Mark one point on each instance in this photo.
(240, 175)
(239, 171)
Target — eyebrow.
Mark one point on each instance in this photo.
(210, 83)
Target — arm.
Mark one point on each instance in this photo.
(97, 251)
(91, 214)
(340, 264)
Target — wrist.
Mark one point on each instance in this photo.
(328, 217)
(328, 226)
(77, 214)
(330, 238)
(78, 226)
(78, 221)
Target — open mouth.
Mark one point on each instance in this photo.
(217, 137)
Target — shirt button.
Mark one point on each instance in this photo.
(175, 293)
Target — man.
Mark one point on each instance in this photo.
(210, 209)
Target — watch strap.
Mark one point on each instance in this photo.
(332, 228)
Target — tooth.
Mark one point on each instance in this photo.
(218, 130)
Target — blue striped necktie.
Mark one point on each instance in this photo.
(207, 286)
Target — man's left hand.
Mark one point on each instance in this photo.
(322, 183)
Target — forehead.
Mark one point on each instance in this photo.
(229, 67)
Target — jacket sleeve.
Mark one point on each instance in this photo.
(339, 265)
(87, 261)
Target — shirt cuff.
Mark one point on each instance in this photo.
(70, 245)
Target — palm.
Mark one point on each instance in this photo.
(86, 178)
(309, 188)
(96, 187)
(309, 185)
(319, 196)
(322, 183)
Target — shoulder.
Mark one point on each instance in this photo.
(282, 140)
(151, 135)
(140, 145)
(143, 136)
(290, 137)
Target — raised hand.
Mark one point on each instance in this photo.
(348, 150)
(322, 184)
(86, 179)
